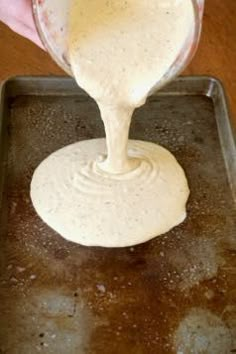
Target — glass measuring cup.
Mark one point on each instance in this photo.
(51, 18)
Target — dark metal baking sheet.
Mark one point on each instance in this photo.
(174, 294)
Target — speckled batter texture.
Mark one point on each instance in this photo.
(116, 193)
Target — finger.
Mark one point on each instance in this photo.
(28, 17)
(19, 17)
(25, 31)
(19, 10)
(32, 35)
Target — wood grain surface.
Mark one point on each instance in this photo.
(216, 55)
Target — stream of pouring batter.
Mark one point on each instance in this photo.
(117, 192)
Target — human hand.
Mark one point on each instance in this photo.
(18, 16)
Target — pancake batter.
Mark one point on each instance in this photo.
(117, 192)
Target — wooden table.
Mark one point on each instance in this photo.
(216, 55)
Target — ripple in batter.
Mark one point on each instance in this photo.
(89, 206)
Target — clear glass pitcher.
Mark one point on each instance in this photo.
(51, 18)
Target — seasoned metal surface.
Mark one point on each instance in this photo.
(175, 294)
